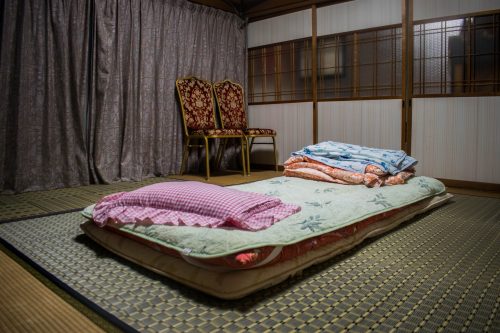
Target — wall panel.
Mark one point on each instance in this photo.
(427, 9)
(488, 143)
(293, 123)
(457, 138)
(372, 123)
(282, 28)
(357, 15)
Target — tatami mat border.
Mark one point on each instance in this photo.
(16, 219)
(18, 256)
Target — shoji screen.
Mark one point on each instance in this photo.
(428, 9)
(374, 123)
(359, 119)
(292, 121)
(455, 137)
(292, 26)
(358, 15)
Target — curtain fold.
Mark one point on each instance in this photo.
(43, 88)
(88, 86)
(141, 48)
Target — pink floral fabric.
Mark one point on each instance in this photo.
(334, 174)
(304, 167)
(197, 100)
(192, 204)
(313, 174)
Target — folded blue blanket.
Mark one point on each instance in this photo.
(355, 158)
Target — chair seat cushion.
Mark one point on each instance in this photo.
(218, 131)
(260, 131)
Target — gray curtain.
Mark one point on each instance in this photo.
(141, 48)
(43, 93)
(88, 87)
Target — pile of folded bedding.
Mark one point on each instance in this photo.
(351, 164)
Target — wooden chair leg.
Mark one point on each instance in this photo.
(220, 152)
(207, 158)
(275, 156)
(185, 154)
(243, 153)
(248, 149)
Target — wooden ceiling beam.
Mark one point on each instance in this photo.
(219, 4)
(256, 10)
(279, 7)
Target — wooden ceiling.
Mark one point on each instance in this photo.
(260, 9)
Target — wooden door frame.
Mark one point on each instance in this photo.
(407, 74)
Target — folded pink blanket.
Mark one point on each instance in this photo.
(192, 204)
(305, 167)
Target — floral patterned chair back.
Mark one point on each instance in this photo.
(197, 104)
(231, 103)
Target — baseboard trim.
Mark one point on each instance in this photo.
(490, 187)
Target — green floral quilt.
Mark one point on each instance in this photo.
(325, 207)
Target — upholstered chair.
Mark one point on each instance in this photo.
(231, 105)
(199, 121)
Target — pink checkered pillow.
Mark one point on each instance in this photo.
(192, 204)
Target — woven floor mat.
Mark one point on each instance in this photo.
(29, 306)
(49, 202)
(436, 272)
(232, 178)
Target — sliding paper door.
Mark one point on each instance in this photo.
(456, 71)
(279, 84)
(418, 75)
(360, 73)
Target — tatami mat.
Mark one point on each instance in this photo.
(29, 306)
(438, 272)
(225, 179)
(446, 280)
